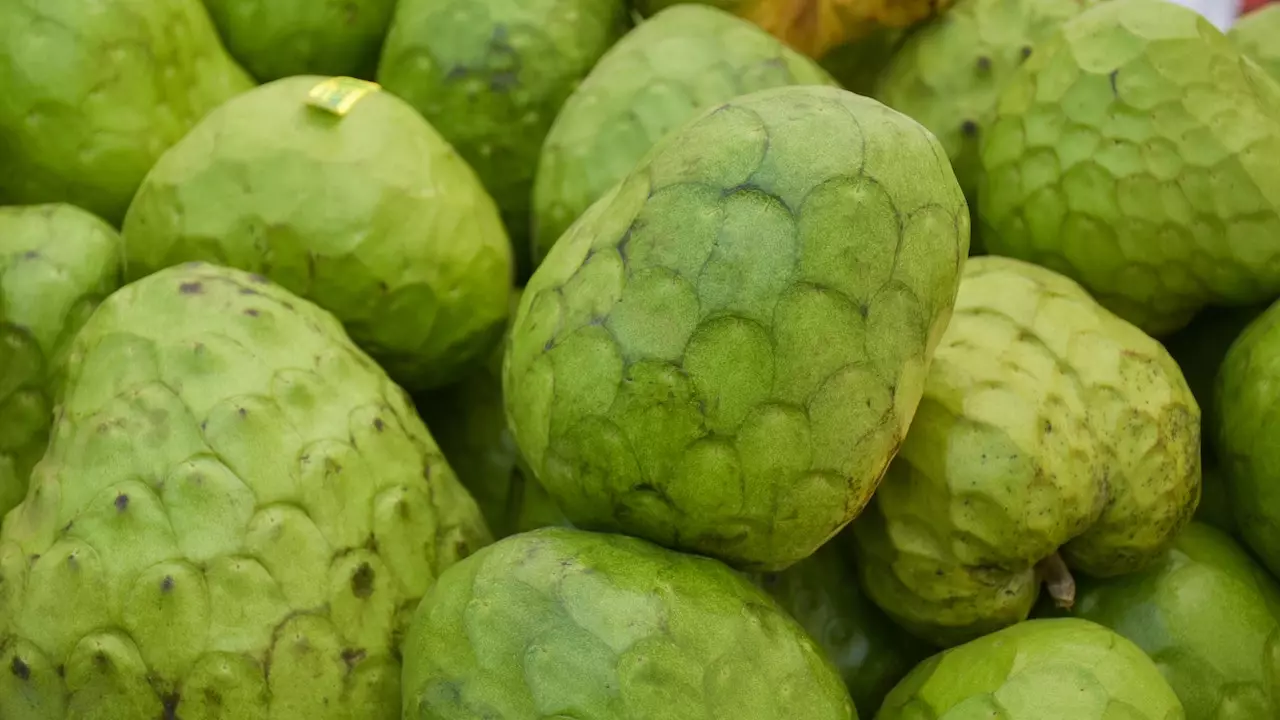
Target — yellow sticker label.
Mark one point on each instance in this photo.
(339, 94)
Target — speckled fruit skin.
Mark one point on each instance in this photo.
(94, 92)
(1208, 615)
(469, 422)
(274, 39)
(57, 262)
(870, 651)
(1246, 424)
(948, 74)
(560, 623)
(1047, 424)
(1051, 668)
(491, 75)
(725, 351)
(1257, 34)
(373, 216)
(1135, 152)
(657, 77)
(235, 518)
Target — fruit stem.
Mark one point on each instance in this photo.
(1053, 572)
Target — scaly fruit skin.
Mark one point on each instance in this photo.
(1257, 34)
(870, 651)
(660, 75)
(469, 422)
(1207, 614)
(816, 27)
(373, 216)
(232, 488)
(94, 93)
(565, 623)
(723, 353)
(1246, 424)
(273, 39)
(57, 262)
(1134, 151)
(1059, 667)
(948, 74)
(1047, 424)
(491, 75)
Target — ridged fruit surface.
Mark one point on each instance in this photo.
(562, 623)
(372, 215)
(1135, 152)
(725, 351)
(1257, 34)
(657, 77)
(237, 513)
(1048, 425)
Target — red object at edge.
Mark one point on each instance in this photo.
(1248, 6)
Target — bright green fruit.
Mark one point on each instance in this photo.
(562, 623)
(94, 92)
(1037, 670)
(1047, 425)
(948, 74)
(469, 422)
(1257, 34)
(725, 351)
(663, 73)
(274, 39)
(1135, 152)
(871, 653)
(57, 262)
(1246, 427)
(491, 75)
(371, 215)
(1207, 614)
(235, 517)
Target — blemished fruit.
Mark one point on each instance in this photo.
(1257, 34)
(657, 77)
(491, 76)
(1051, 435)
(560, 623)
(1039, 669)
(236, 515)
(344, 195)
(948, 74)
(723, 353)
(1135, 152)
(57, 262)
(817, 27)
(1209, 616)
(870, 651)
(94, 92)
(1246, 424)
(274, 39)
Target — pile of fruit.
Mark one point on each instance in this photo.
(589, 360)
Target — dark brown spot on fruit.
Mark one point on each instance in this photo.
(251, 312)
(362, 581)
(984, 63)
(190, 288)
(378, 424)
(166, 585)
(122, 502)
(969, 128)
(20, 669)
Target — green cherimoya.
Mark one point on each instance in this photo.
(1246, 425)
(95, 91)
(563, 623)
(948, 74)
(57, 262)
(1257, 34)
(723, 353)
(491, 75)
(871, 652)
(345, 196)
(1047, 425)
(1135, 152)
(236, 515)
(278, 39)
(1052, 668)
(1209, 616)
(661, 74)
